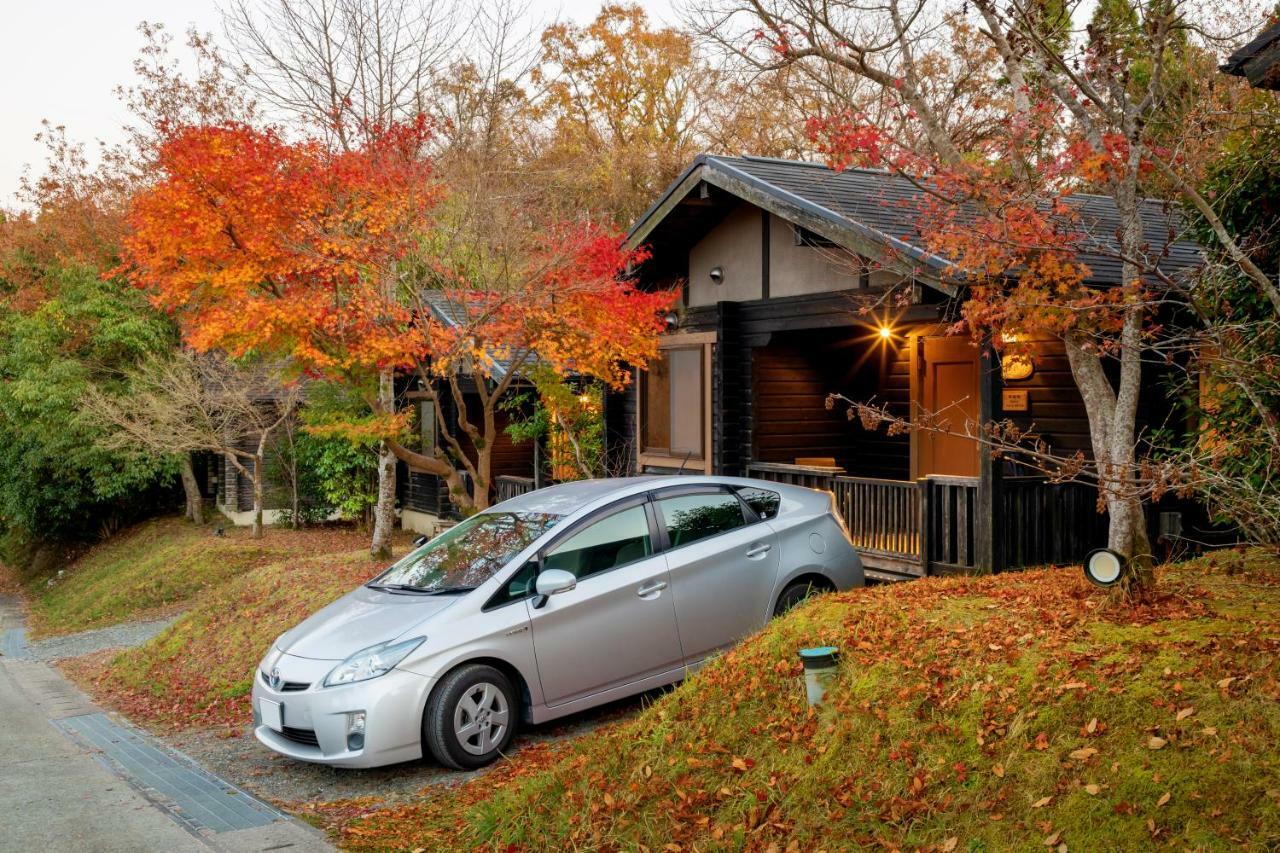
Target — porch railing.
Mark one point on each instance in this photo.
(809, 476)
(909, 528)
(882, 515)
(509, 486)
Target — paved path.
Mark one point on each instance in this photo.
(75, 778)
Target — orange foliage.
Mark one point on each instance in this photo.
(256, 243)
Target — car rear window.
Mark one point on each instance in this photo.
(764, 502)
(690, 518)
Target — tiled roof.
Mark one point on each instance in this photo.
(885, 208)
(1258, 61)
(452, 312)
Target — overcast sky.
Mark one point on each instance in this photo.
(61, 59)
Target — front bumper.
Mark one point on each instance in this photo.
(315, 719)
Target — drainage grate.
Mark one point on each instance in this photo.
(195, 797)
(14, 644)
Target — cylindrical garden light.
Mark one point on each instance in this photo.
(820, 667)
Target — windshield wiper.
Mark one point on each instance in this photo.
(417, 590)
(398, 587)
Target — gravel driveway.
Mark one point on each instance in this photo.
(249, 764)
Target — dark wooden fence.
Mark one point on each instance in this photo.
(1043, 523)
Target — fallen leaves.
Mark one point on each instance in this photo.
(1084, 754)
(1185, 712)
(1164, 799)
(1042, 802)
(1156, 742)
(1092, 789)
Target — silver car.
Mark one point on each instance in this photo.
(551, 602)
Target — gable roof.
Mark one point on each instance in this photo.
(453, 313)
(868, 211)
(1258, 61)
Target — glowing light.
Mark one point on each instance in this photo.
(885, 333)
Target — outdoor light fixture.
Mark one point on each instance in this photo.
(672, 319)
(885, 333)
(1103, 567)
(1015, 366)
(717, 275)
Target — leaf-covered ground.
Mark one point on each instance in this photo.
(159, 567)
(1022, 711)
(199, 671)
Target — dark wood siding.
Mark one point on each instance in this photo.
(792, 377)
(1054, 404)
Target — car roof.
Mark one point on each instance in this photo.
(568, 498)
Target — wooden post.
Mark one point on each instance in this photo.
(988, 540)
(926, 524)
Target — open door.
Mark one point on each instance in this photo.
(948, 388)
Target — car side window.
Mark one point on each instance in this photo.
(613, 541)
(690, 518)
(764, 502)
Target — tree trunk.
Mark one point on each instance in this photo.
(257, 495)
(1114, 455)
(195, 502)
(384, 511)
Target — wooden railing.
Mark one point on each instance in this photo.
(809, 476)
(949, 507)
(882, 516)
(508, 486)
(908, 527)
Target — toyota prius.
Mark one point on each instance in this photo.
(554, 601)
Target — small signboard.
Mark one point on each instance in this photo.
(1015, 400)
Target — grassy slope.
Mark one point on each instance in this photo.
(199, 670)
(147, 571)
(970, 714)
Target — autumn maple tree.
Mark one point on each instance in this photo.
(342, 261)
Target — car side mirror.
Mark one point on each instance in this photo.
(551, 582)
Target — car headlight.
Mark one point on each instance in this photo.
(371, 662)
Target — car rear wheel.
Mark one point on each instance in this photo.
(471, 717)
(796, 593)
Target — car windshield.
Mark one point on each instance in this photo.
(467, 554)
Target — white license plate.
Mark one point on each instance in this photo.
(272, 714)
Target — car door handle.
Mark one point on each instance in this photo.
(651, 590)
(758, 550)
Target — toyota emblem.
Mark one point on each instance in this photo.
(275, 678)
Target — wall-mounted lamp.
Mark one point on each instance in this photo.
(1015, 366)
(717, 275)
(672, 319)
(885, 333)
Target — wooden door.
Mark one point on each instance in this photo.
(949, 390)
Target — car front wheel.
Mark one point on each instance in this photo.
(471, 717)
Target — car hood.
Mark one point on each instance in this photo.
(361, 618)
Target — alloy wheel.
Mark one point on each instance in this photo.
(480, 718)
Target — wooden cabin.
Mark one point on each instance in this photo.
(798, 281)
(425, 502)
